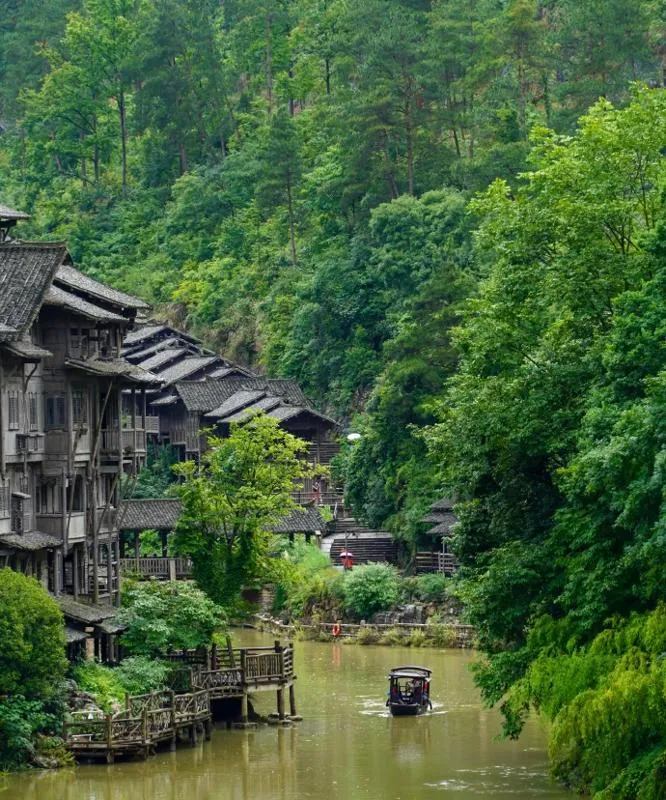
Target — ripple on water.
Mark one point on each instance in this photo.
(499, 779)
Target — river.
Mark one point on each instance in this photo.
(347, 747)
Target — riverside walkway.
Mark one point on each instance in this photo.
(169, 716)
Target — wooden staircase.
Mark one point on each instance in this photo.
(364, 544)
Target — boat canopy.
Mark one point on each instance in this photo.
(410, 672)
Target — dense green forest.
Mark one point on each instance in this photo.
(445, 218)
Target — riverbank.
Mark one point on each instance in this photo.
(400, 634)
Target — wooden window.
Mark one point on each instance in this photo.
(54, 411)
(13, 410)
(75, 494)
(33, 412)
(49, 498)
(79, 407)
(17, 513)
(5, 500)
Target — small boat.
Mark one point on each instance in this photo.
(409, 691)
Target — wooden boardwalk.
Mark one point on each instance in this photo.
(151, 719)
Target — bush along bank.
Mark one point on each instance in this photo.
(373, 603)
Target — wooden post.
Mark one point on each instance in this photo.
(230, 650)
(174, 735)
(172, 569)
(244, 711)
(280, 702)
(292, 701)
(75, 570)
(137, 548)
(109, 740)
(163, 537)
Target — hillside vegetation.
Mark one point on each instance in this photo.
(446, 220)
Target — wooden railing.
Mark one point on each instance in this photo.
(111, 438)
(152, 423)
(167, 568)
(128, 439)
(147, 719)
(150, 718)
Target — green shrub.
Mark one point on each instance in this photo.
(370, 588)
(32, 656)
(440, 635)
(393, 637)
(103, 683)
(140, 675)
(164, 616)
(366, 635)
(417, 638)
(21, 723)
(409, 589)
(431, 588)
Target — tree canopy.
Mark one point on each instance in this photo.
(243, 485)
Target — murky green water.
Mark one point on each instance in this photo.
(346, 748)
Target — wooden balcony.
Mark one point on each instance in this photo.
(160, 568)
(112, 437)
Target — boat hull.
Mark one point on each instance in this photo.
(406, 709)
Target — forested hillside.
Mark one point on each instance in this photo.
(445, 218)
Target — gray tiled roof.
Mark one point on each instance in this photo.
(156, 347)
(117, 366)
(72, 635)
(26, 271)
(237, 401)
(185, 368)
(284, 413)
(265, 404)
(9, 213)
(72, 278)
(151, 329)
(55, 296)
(159, 514)
(445, 504)
(84, 612)
(288, 389)
(206, 395)
(167, 400)
(162, 358)
(232, 369)
(306, 520)
(24, 348)
(140, 334)
(32, 540)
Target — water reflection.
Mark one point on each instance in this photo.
(347, 747)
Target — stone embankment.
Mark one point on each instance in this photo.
(396, 633)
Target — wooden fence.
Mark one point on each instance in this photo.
(148, 719)
(164, 568)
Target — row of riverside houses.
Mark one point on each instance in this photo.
(66, 439)
(201, 391)
(84, 389)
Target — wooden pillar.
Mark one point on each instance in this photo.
(292, 701)
(75, 570)
(244, 712)
(116, 555)
(163, 536)
(109, 567)
(137, 548)
(135, 461)
(280, 702)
